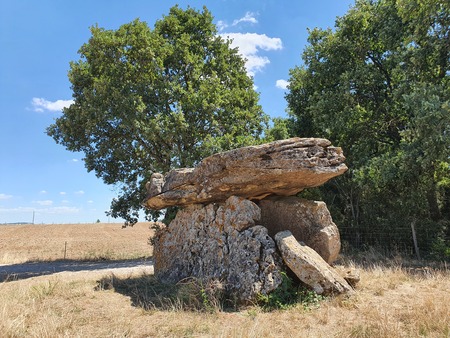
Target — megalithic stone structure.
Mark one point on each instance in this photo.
(235, 204)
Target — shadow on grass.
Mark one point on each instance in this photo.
(190, 294)
(26, 270)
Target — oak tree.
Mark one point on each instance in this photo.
(150, 100)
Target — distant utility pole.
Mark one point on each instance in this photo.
(33, 217)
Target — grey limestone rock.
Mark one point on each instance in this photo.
(309, 221)
(309, 267)
(220, 242)
(283, 168)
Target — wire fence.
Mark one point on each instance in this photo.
(390, 240)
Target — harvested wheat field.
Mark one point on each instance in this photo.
(390, 301)
(48, 242)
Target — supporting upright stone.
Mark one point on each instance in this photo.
(309, 221)
(220, 242)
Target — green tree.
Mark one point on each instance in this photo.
(280, 130)
(378, 85)
(152, 100)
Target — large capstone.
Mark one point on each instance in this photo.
(278, 168)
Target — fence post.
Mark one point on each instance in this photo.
(416, 246)
(65, 249)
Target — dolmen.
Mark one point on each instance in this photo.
(242, 225)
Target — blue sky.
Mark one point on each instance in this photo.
(40, 38)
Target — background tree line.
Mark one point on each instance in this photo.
(378, 86)
(149, 100)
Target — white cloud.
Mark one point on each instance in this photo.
(250, 45)
(255, 63)
(17, 209)
(44, 202)
(53, 210)
(221, 25)
(41, 105)
(63, 193)
(79, 192)
(5, 197)
(74, 160)
(282, 84)
(42, 192)
(90, 201)
(249, 17)
(61, 210)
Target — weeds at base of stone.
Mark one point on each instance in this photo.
(289, 295)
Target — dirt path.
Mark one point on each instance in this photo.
(34, 269)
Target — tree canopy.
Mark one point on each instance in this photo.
(150, 100)
(378, 85)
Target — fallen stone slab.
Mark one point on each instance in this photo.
(350, 274)
(309, 267)
(309, 221)
(283, 168)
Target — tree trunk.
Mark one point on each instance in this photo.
(433, 206)
(446, 210)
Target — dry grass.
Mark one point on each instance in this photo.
(47, 242)
(391, 301)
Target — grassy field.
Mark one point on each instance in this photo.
(48, 242)
(391, 301)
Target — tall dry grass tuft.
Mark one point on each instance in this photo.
(148, 293)
(398, 301)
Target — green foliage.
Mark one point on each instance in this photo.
(378, 86)
(170, 214)
(288, 295)
(149, 101)
(440, 249)
(280, 130)
(309, 299)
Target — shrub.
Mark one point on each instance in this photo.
(288, 295)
